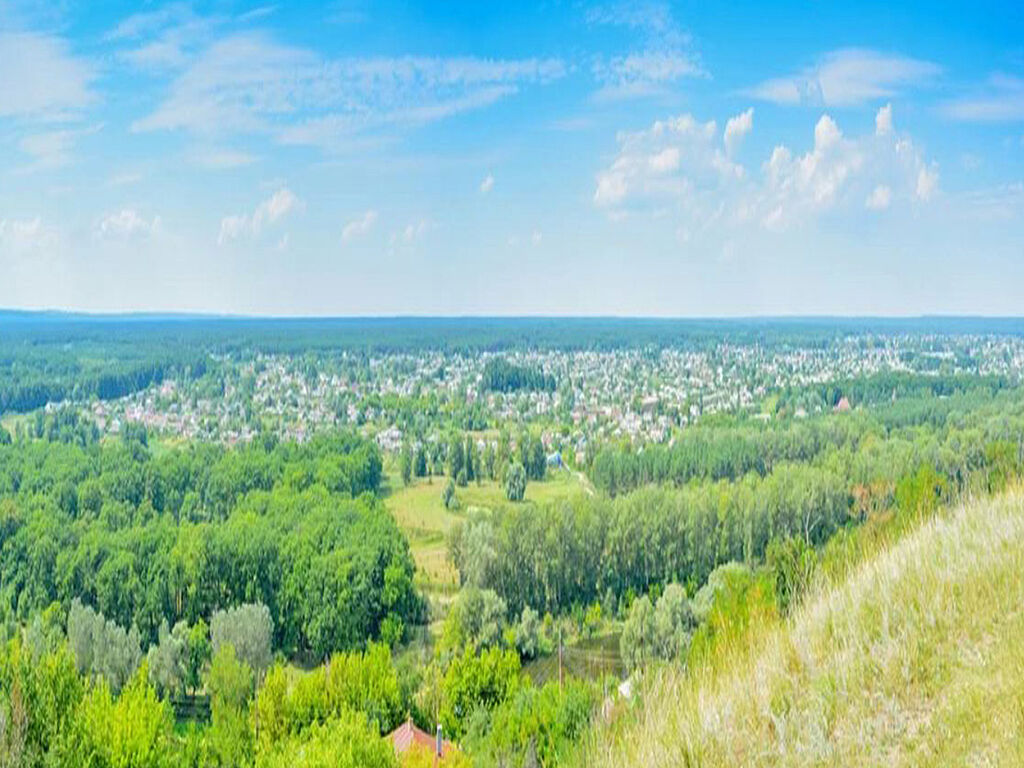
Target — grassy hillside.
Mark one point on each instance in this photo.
(916, 658)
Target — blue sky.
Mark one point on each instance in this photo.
(353, 158)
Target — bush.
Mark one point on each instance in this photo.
(515, 482)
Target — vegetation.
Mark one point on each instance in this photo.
(147, 539)
(248, 543)
(929, 625)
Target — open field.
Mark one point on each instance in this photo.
(419, 511)
(915, 659)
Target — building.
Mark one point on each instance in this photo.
(407, 736)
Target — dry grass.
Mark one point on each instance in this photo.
(916, 659)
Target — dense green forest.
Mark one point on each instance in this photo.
(149, 539)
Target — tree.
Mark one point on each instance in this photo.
(197, 654)
(477, 681)
(515, 482)
(405, 465)
(475, 620)
(476, 553)
(229, 739)
(673, 623)
(134, 729)
(456, 457)
(248, 628)
(167, 660)
(794, 563)
(101, 647)
(448, 497)
(346, 740)
(528, 633)
(638, 633)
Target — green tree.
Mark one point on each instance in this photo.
(515, 482)
(636, 644)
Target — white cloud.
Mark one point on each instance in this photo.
(643, 73)
(663, 56)
(654, 20)
(411, 233)
(126, 224)
(274, 208)
(487, 184)
(847, 77)
(1001, 99)
(927, 182)
(41, 79)
(124, 179)
(664, 161)
(883, 120)
(165, 39)
(536, 237)
(681, 168)
(359, 226)
(247, 83)
(415, 230)
(21, 236)
(736, 128)
(879, 198)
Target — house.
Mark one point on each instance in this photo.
(407, 736)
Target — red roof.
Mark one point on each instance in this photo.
(407, 735)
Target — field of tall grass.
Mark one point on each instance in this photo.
(915, 657)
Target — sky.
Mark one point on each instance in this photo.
(681, 159)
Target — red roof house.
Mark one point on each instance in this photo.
(407, 736)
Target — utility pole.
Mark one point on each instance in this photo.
(559, 657)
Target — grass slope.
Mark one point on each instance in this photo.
(916, 659)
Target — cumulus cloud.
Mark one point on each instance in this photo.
(411, 233)
(21, 236)
(360, 226)
(670, 159)
(274, 208)
(487, 184)
(883, 121)
(126, 224)
(683, 167)
(248, 83)
(879, 198)
(847, 77)
(927, 183)
(736, 128)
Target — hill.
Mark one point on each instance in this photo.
(914, 659)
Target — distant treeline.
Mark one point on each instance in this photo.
(291, 335)
(502, 376)
(731, 451)
(34, 376)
